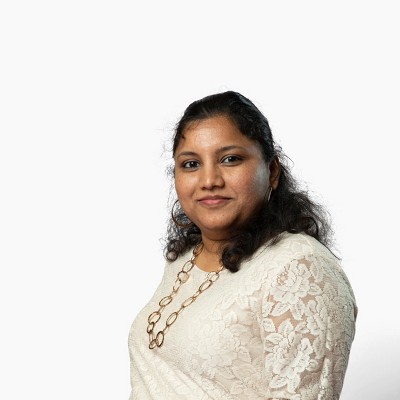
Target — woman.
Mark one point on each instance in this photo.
(252, 304)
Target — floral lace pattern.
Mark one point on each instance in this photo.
(281, 328)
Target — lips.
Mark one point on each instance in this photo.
(213, 200)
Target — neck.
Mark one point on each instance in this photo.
(209, 258)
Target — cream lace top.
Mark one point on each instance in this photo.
(280, 328)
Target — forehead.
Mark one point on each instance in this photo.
(214, 131)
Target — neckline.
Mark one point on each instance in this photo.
(198, 270)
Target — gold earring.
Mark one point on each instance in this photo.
(269, 194)
(182, 215)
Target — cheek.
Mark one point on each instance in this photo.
(178, 188)
(254, 185)
(255, 190)
(182, 186)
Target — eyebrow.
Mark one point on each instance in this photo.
(220, 150)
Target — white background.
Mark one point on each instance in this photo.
(90, 92)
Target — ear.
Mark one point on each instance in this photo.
(274, 172)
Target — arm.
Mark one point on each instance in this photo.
(308, 325)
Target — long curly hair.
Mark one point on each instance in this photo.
(290, 208)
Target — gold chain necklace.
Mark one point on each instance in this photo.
(157, 340)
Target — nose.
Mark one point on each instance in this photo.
(211, 177)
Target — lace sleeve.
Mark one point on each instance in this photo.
(308, 325)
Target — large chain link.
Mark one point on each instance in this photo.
(157, 340)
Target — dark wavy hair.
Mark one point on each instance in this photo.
(290, 208)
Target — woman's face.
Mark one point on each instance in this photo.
(221, 177)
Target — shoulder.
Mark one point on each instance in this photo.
(297, 253)
(299, 258)
(172, 268)
(292, 246)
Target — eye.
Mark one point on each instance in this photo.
(190, 164)
(231, 159)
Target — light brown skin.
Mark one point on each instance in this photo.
(221, 180)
